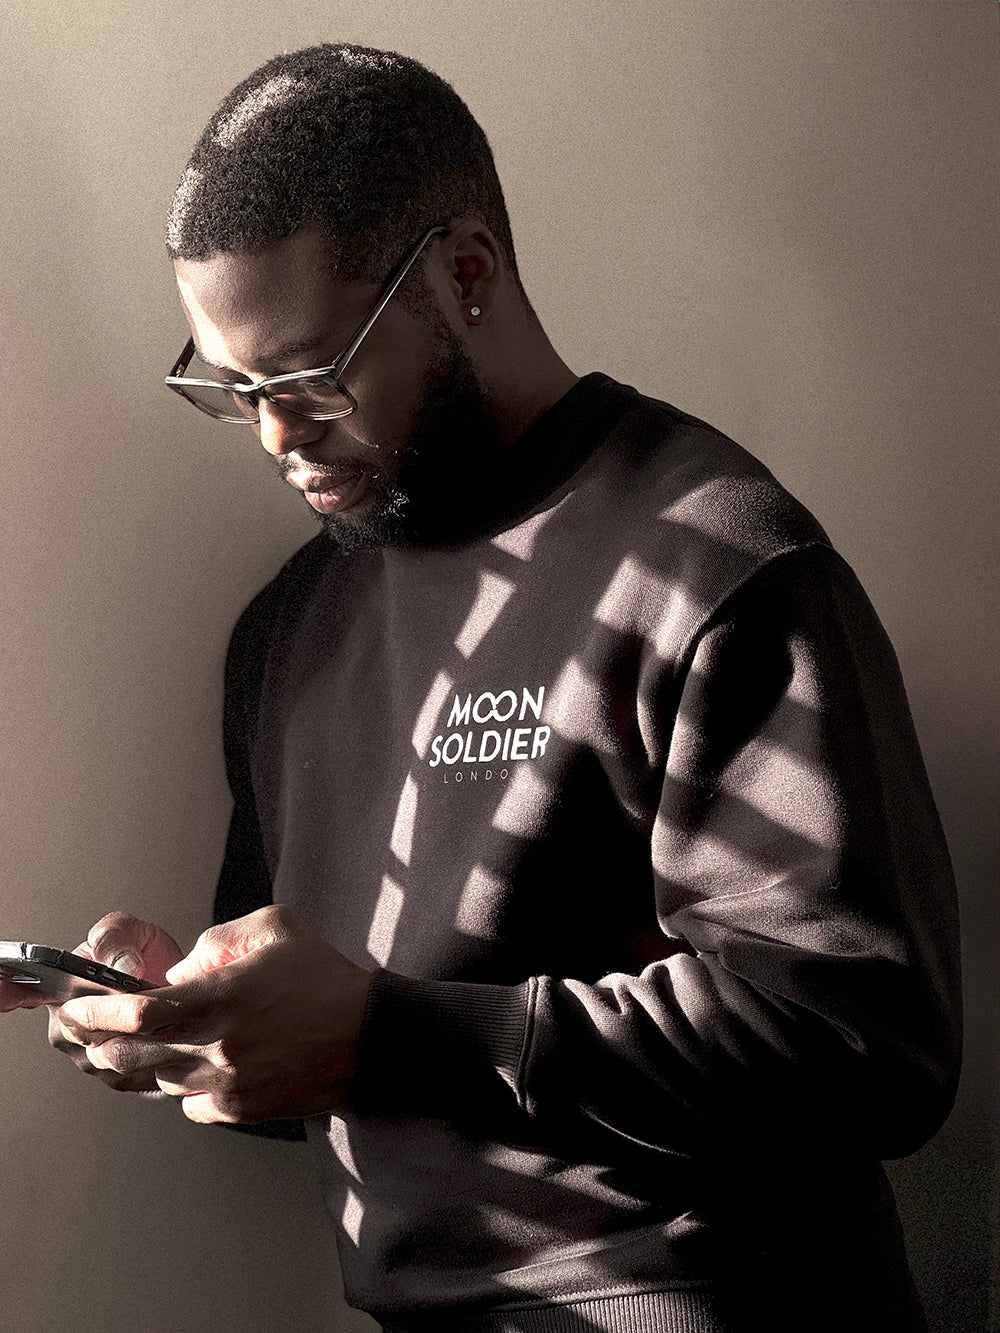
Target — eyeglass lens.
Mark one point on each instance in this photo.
(315, 396)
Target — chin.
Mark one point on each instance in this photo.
(439, 474)
(376, 522)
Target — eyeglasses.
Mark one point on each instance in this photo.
(317, 394)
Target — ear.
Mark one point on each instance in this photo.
(473, 268)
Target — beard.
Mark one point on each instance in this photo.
(433, 488)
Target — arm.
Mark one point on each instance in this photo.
(147, 951)
(808, 978)
(259, 1022)
(244, 880)
(237, 1037)
(809, 968)
(244, 883)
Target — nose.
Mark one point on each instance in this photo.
(282, 432)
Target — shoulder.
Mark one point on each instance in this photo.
(693, 515)
(279, 598)
(696, 478)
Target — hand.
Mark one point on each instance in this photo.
(261, 1020)
(133, 946)
(14, 995)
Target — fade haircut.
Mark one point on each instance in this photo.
(370, 145)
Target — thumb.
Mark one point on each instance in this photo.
(132, 945)
(231, 940)
(204, 957)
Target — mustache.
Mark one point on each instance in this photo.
(331, 473)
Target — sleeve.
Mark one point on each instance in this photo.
(809, 976)
(244, 881)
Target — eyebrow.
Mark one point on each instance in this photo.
(284, 353)
(216, 365)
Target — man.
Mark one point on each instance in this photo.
(583, 894)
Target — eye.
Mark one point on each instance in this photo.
(201, 370)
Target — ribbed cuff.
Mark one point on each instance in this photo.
(690, 1311)
(430, 1046)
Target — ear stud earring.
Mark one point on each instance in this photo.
(474, 310)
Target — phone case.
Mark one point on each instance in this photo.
(61, 975)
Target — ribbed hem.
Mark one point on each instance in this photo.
(426, 1043)
(648, 1312)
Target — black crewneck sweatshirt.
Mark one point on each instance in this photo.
(619, 793)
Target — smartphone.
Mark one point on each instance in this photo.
(56, 975)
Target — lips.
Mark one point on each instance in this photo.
(332, 495)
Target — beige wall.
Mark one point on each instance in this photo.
(778, 214)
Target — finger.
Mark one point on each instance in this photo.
(232, 940)
(118, 941)
(90, 1019)
(139, 1082)
(204, 1109)
(58, 1036)
(184, 1082)
(186, 1072)
(201, 959)
(132, 945)
(190, 1012)
(130, 1055)
(14, 995)
(168, 1084)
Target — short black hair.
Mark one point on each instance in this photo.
(370, 145)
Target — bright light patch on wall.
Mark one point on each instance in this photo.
(493, 595)
(388, 909)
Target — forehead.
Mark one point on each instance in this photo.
(252, 311)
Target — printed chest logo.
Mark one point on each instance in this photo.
(489, 732)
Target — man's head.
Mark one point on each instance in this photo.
(309, 185)
(369, 145)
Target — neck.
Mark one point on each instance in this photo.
(523, 373)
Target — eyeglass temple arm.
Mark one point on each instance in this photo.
(183, 361)
(385, 298)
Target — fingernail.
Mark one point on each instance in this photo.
(127, 962)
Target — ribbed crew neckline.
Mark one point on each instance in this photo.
(542, 460)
